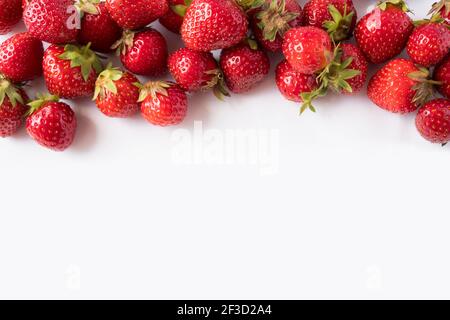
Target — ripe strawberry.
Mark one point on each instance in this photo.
(429, 43)
(51, 21)
(97, 26)
(433, 121)
(136, 14)
(213, 24)
(51, 123)
(21, 57)
(338, 17)
(307, 49)
(144, 53)
(358, 63)
(244, 66)
(71, 71)
(292, 83)
(173, 19)
(12, 107)
(442, 75)
(383, 33)
(117, 93)
(10, 14)
(400, 86)
(441, 8)
(163, 103)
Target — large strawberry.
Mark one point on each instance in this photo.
(383, 33)
(173, 19)
(21, 57)
(163, 103)
(53, 21)
(400, 86)
(433, 121)
(10, 14)
(117, 93)
(144, 52)
(442, 75)
(213, 24)
(136, 14)
(51, 123)
(71, 71)
(12, 107)
(338, 17)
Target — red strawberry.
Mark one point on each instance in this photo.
(117, 93)
(52, 21)
(173, 19)
(429, 43)
(271, 21)
(338, 17)
(97, 27)
(292, 83)
(21, 57)
(383, 33)
(136, 14)
(12, 107)
(433, 121)
(244, 66)
(359, 63)
(442, 7)
(51, 123)
(400, 86)
(163, 103)
(442, 74)
(144, 53)
(307, 49)
(213, 24)
(10, 14)
(71, 71)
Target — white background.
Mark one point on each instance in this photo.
(350, 203)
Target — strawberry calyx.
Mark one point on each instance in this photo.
(442, 6)
(436, 18)
(125, 42)
(87, 6)
(383, 5)
(152, 89)
(40, 101)
(217, 83)
(339, 27)
(82, 57)
(247, 5)
(274, 19)
(424, 87)
(106, 81)
(180, 9)
(10, 91)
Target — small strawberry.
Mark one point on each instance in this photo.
(338, 17)
(117, 93)
(213, 24)
(51, 21)
(433, 121)
(383, 33)
(21, 57)
(163, 103)
(144, 52)
(136, 14)
(173, 19)
(244, 66)
(442, 8)
(359, 63)
(12, 107)
(97, 26)
(307, 49)
(71, 71)
(10, 14)
(442, 75)
(292, 83)
(400, 87)
(51, 123)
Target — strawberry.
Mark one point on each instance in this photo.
(213, 24)
(51, 21)
(97, 26)
(441, 8)
(10, 14)
(163, 103)
(359, 63)
(307, 49)
(292, 83)
(442, 75)
(271, 21)
(21, 57)
(12, 107)
(433, 121)
(71, 71)
(383, 33)
(400, 86)
(173, 19)
(244, 66)
(429, 43)
(144, 53)
(338, 17)
(51, 123)
(136, 14)
(117, 93)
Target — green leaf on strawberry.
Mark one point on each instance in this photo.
(82, 57)
(8, 90)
